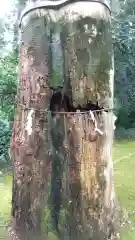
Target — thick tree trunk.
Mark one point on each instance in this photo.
(83, 173)
(30, 139)
(68, 49)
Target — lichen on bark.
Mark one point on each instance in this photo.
(29, 145)
(61, 166)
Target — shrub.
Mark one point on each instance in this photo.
(4, 141)
(122, 133)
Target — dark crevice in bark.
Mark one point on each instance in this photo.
(61, 102)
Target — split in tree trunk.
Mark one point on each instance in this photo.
(63, 171)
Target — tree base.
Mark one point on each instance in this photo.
(19, 233)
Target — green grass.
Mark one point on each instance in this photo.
(124, 183)
(125, 180)
(5, 202)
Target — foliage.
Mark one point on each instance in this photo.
(4, 140)
(8, 84)
(122, 133)
(123, 25)
(8, 88)
(2, 32)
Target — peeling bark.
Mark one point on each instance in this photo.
(29, 145)
(63, 168)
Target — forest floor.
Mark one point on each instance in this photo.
(124, 165)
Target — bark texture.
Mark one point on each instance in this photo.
(29, 143)
(63, 171)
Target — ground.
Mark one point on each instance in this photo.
(124, 165)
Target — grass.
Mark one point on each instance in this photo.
(124, 181)
(5, 202)
(124, 184)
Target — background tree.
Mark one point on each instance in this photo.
(124, 44)
(8, 85)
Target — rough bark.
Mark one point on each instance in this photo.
(29, 143)
(82, 170)
(71, 51)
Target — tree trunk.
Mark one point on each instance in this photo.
(69, 51)
(30, 139)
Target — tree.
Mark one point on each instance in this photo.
(2, 32)
(4, 140)
(123, 32)
(8, 89)
(61, 128)
(8, 84)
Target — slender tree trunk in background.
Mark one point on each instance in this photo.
(68, 49)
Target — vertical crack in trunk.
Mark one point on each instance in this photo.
(79, 183)
(70, 184)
